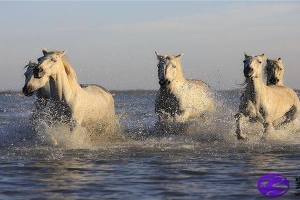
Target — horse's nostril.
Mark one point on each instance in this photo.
(248, 71)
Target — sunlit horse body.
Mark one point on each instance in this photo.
(263, 103)
(178, 99)
(91, 106)
(274, 71)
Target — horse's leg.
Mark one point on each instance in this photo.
(74, 123)
(239, 134)
(291, 115)
(268, 128)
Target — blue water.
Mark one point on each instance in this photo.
(203, 162)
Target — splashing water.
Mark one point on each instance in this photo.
(202, 161)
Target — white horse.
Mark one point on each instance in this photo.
(91, 106)
(263, 103)
(178, 99)
(274, 71)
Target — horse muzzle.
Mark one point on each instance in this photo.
(274, 80)
(164, 82)
(28, 91)
(248, 72)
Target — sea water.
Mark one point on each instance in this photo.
(204, 161)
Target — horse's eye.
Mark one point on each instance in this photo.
(259, 62)
(53, 59)
(157, 65)
(174, 66)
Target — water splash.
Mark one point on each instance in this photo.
(58, 134)
(137, 128)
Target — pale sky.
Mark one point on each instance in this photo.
(112, 43)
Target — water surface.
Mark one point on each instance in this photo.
(203, 162)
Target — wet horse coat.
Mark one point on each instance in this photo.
(89, 106)
(179, 99)
(263, 103)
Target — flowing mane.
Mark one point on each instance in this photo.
(69, 71)
(30, 65)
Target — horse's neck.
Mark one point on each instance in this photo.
(179, 75)
(255, 88)
(61, 89)
(43, 92)
(179, 80)
(177, 86)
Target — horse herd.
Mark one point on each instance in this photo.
(178, 100)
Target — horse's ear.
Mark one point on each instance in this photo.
(44, 51)
(246, 55)
(63, 52)
(263, 56)
(30, 62)
(179, 56)
(279, 59)
(158, 55)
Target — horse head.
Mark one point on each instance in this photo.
(169, 68)
(29, 70)
(27, 90)
(49, 64)
(46, 67)
(253, 65)
(274, 71)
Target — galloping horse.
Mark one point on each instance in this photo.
(264, 103)
(274, 71)
(89, 106)
(178, 99)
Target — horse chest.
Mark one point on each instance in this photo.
(254, 110)
(167, 102)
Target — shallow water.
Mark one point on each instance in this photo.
(203, 162)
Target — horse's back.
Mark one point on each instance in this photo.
(282, 89)
(285, 94)
(282, 100)
(99, 86)
(100, 92)
(199, 83)
(97, 89)
(103, 100)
